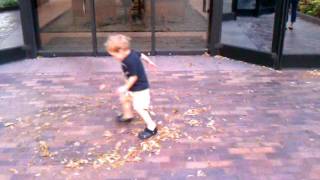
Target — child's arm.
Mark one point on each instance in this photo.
(148, 60)
(129, 83)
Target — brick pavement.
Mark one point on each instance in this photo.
(218, 119)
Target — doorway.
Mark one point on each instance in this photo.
(155, 26)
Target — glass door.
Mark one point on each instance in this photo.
(181, 25)
(249, 38)
(82, 26)
(64, 26)
(128, 17)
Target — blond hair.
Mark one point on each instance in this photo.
(116, 42)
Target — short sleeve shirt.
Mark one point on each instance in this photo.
(132, 66)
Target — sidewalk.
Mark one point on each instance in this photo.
(218, 119)
(10, 30)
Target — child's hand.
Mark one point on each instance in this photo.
(122, 90)
(102, 87)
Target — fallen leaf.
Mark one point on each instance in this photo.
(102, 87)
(14, 171)
(193, 112)
(198, 101)
(211, 124)
(76, 164)
(200, 173)
(8, 124)
(76, 144)
(175, 111)
(150, 146)
(132, 155)
(107, 134)
(44, 149)
(177, 98)
(194, 123)
(190, 175)
(119, 144)
(107, 158)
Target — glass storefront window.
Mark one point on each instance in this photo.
(129, 17)
(64, 25)
(227, 6)
(247, 4)
(181, 25)
(302, 36)
(249, 32)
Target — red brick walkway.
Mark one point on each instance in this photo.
(218, 119)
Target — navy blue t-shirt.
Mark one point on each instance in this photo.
(132, 66)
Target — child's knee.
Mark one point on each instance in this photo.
(140, 109)
(124, 98)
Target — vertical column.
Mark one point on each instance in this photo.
(282, 7)
(93, 27)
(215, 26)
(153, 27)
(234, 6)
(27, 10)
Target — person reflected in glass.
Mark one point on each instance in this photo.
(137, 10)
(293, 17)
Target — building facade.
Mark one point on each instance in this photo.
(248, 30)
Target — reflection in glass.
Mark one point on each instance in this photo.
(247, 4)
(304, 38)
(65, 25)
(249, 32)
(129, 17)
(181, 25)
(227, 6)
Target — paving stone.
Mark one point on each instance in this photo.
(235, 121)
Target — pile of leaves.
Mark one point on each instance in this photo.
(122, 153)
(116, 153)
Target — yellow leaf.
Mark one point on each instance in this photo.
(44, 149)
(14, 171)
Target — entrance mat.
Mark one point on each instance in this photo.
(76, 44)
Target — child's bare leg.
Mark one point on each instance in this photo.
(126, 104)
(145, 115)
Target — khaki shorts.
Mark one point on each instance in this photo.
(140, 99)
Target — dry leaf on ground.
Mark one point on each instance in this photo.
(194, 112)
(200, 173)
(194, 123)
(44, 149)
(8, 124)
(77, 163)
(211, 124)
(107, 134)
(14, 171)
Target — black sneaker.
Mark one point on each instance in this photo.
(121, 119)
(146, 133)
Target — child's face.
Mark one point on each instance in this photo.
(119, 55)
